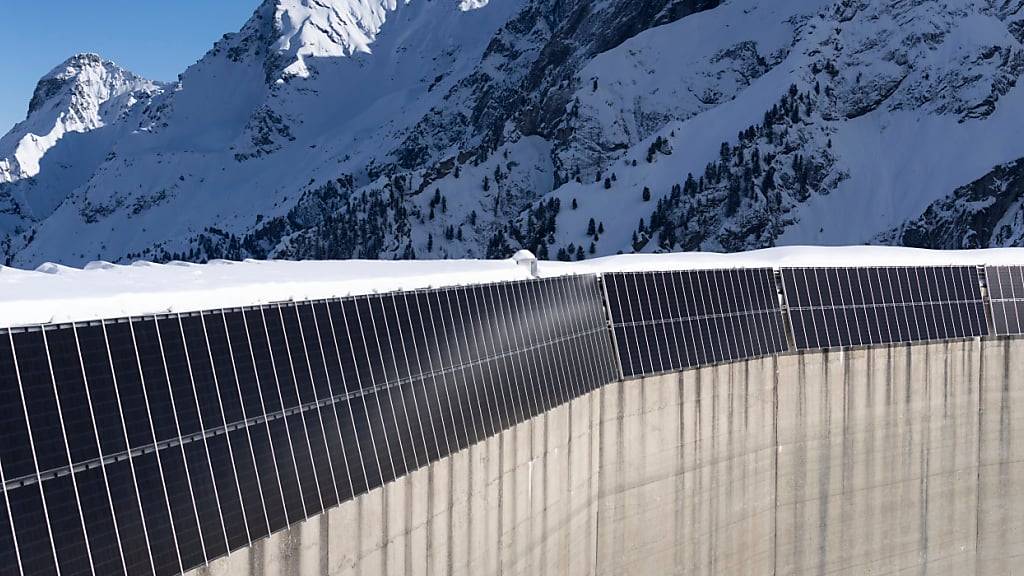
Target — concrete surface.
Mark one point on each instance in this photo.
(901, 460)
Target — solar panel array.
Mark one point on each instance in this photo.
(154, 445)
(1006, 293)
(667, 321)
(836, 307)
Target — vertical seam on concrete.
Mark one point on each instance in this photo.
(977, 495)
(501, 472)
(545, 494)
(325, 542)
(409, 518)
(1004, 447)
(775, 460)
(469, 507)
(450, 545)
(385, 528)
(567, 533)
(925, 465)
(429, 525)
(680, 520)
(597, 471)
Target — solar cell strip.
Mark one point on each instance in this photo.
(248, 467)
(667, 321)
(327, 416)
(205, 394)
(30, 515)
(1006, 293)
(336, 387)
(838, 307)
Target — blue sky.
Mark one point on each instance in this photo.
(155, 38)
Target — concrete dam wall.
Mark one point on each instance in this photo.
(904, 459)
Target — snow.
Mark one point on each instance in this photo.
(60, 294)
(82, 94)
(184, 171)
(54, 294)
(912, 150)
(314, 29)
(789, 257)
(646, 73)
(312, 92)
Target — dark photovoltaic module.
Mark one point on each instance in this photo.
(667, 321)
(1006, 293)
(836, 307)
(154, 445)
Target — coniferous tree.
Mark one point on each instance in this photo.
(647, 194)
(591, 228)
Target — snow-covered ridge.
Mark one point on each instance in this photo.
(333, 28)
(570, 128)
(54, 294)
(58, 294)
(323, 28)
(82, 94)
(790, 257)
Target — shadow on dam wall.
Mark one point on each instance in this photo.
(892, 460)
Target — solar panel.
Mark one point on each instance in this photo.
(1006, 293)
(667, 321)
(235, 410)
(837, 307)
(66, 525)
(32, 530)
(155, 445)
(95, 501)
(156, 514)
(8, 546)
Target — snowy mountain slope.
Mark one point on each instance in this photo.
(82, 94)
(386, 128)
(987, 212)
(205, 151)
(893, 105)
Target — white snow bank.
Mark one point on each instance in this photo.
(791, 257)
(59, 294)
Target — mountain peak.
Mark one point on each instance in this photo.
(326, 28)
(85, 69)
(80, 60)
(83, 93)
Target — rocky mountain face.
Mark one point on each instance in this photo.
(81, 103)
(84, 93)
(985, 213)
(574, 128)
